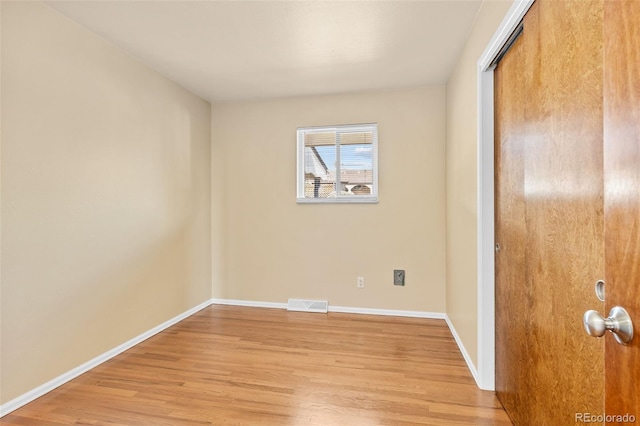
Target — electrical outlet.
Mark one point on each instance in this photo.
(398, 277)
(360, 282)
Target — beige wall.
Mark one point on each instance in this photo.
(105, 197)
(461, 160)
(272, 248)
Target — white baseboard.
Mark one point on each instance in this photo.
(24, 399)
(342, 309)
(463, 350)
(250, 303)
(387, 312)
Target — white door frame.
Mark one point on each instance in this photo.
(486, 243)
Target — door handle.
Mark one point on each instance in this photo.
(618, 322)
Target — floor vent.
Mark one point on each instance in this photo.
(308, 305)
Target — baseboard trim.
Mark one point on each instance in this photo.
(249, 303)
(387, 312)
(341, 309)
(463, 350)
(33, 394)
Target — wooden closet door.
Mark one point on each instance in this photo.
(513, 361)
(622, 197)
(550, 216)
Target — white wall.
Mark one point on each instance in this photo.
(461, 161)
(269, 248)
(105, 197)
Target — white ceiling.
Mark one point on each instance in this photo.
(240, 50)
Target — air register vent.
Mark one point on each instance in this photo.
(308, 305)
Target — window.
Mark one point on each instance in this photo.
(338, 164)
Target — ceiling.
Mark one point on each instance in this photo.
(241, 50)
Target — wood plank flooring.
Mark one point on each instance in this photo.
(229, 365)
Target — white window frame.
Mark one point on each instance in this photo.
(339, 199)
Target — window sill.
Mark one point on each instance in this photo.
(342, 200)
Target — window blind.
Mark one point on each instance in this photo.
(338, 164)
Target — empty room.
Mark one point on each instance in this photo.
(319, 212)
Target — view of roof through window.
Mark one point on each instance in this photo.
(347, 154)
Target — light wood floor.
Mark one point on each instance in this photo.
(252, 366)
